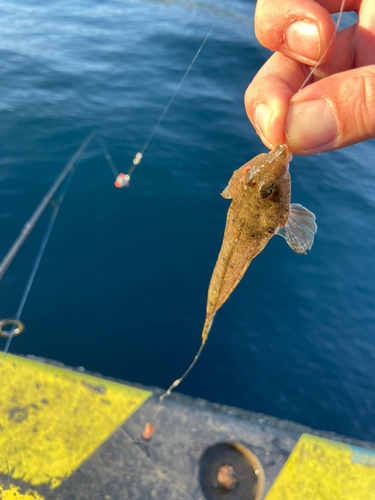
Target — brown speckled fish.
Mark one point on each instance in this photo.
(260, 208)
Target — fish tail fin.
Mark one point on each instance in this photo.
(207, 327)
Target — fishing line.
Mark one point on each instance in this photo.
(327, 48)
(122, 179)
(56, 208)
(29, 226)
(66, 175)
(149, 428)
(179, 380)
(107, 155)
(16, 325)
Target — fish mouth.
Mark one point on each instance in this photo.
(272, 164)
(281, 156)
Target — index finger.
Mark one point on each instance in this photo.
(301, 29)
(268, 95)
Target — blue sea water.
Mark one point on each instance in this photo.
(122, 287)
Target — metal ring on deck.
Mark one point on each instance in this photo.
(19, 327)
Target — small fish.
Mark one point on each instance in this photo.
(260, 208)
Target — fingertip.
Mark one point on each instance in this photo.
(302, 30)
(268, 121)
(266, 101)
(259, 114)
(263, 120)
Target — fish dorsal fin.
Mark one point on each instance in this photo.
(226, 193)
(300, 228)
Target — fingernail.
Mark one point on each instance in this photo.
(303, 38)
(262, 118)
(310, 124)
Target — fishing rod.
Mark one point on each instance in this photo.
(29, 226)
(17, 325)
(66, 174)
(121, 180)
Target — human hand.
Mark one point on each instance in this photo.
(338, 108)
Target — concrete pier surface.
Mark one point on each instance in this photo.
(69, 434)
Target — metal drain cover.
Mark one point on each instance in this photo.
(230, 471)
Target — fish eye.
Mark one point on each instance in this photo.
(266, 190)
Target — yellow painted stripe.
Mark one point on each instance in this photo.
(52, 419)
(13, 493)
(322, 469)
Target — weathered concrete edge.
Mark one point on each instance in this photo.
(237, 413)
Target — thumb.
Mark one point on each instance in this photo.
(332, 113)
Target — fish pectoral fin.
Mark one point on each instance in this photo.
(226, 193)
(300, 228)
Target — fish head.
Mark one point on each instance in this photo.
(267, 178)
